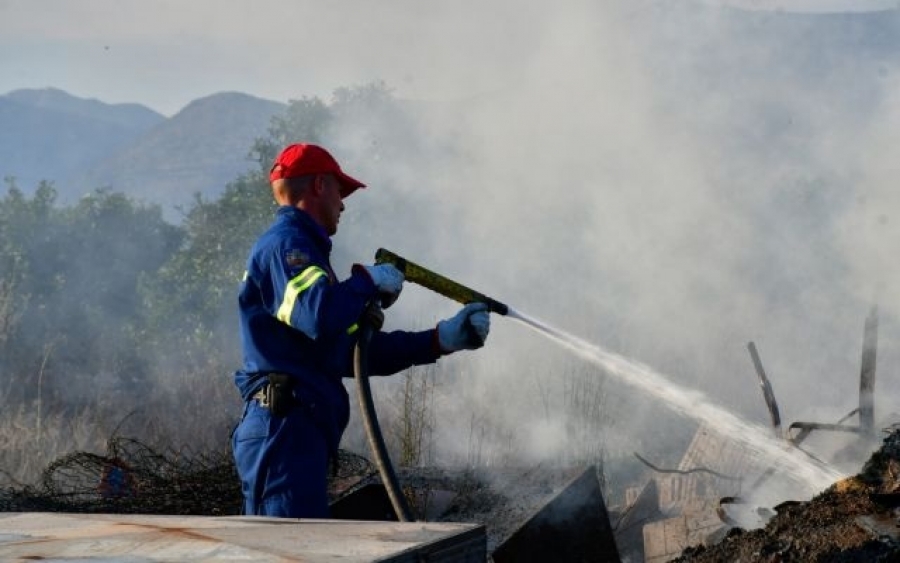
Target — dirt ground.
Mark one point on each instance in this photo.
(855, 520)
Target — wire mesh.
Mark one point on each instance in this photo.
(132, 477)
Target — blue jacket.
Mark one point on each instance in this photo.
(297, 318)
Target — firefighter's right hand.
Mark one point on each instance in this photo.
(388, 281)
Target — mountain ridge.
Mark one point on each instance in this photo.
(198, 150)
(83, 144)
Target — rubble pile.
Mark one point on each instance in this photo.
(854, 520)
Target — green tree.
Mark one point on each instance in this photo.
(188, 298)
(69, 278)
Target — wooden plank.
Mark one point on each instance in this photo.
(103, 537)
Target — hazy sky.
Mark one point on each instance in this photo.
(165, 53)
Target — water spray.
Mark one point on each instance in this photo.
(695, 404)
(687, 402)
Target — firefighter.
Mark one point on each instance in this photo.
(298, 324)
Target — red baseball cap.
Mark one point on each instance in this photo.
(302, 158)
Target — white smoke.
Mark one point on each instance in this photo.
(670, 180)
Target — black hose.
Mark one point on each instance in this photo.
(370, 419)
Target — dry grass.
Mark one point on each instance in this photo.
(190, 414)
(25, 451)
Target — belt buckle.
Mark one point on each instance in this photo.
(262, 397)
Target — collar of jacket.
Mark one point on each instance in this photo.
(307, 223)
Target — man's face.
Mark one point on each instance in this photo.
(331, 204)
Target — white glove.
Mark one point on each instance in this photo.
(467, 330)
(388, 280)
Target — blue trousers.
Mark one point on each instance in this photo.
(282, 463)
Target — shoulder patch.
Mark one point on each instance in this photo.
(295, 258)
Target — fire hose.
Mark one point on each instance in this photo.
(369, 324)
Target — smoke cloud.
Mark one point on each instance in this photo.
(670, 181)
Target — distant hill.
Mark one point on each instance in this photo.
(198, 150)
(81, 144)
(50, 135)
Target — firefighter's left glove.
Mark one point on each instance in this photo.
(388, 281)
(467, 330)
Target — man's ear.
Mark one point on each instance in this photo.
(318, 184)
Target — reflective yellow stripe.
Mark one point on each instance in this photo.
(294, 288)
(353, 328)
(246, 274)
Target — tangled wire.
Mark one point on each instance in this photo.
(134, 478)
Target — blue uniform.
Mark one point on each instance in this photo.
(298, 319)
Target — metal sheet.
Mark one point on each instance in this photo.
(573, 526)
